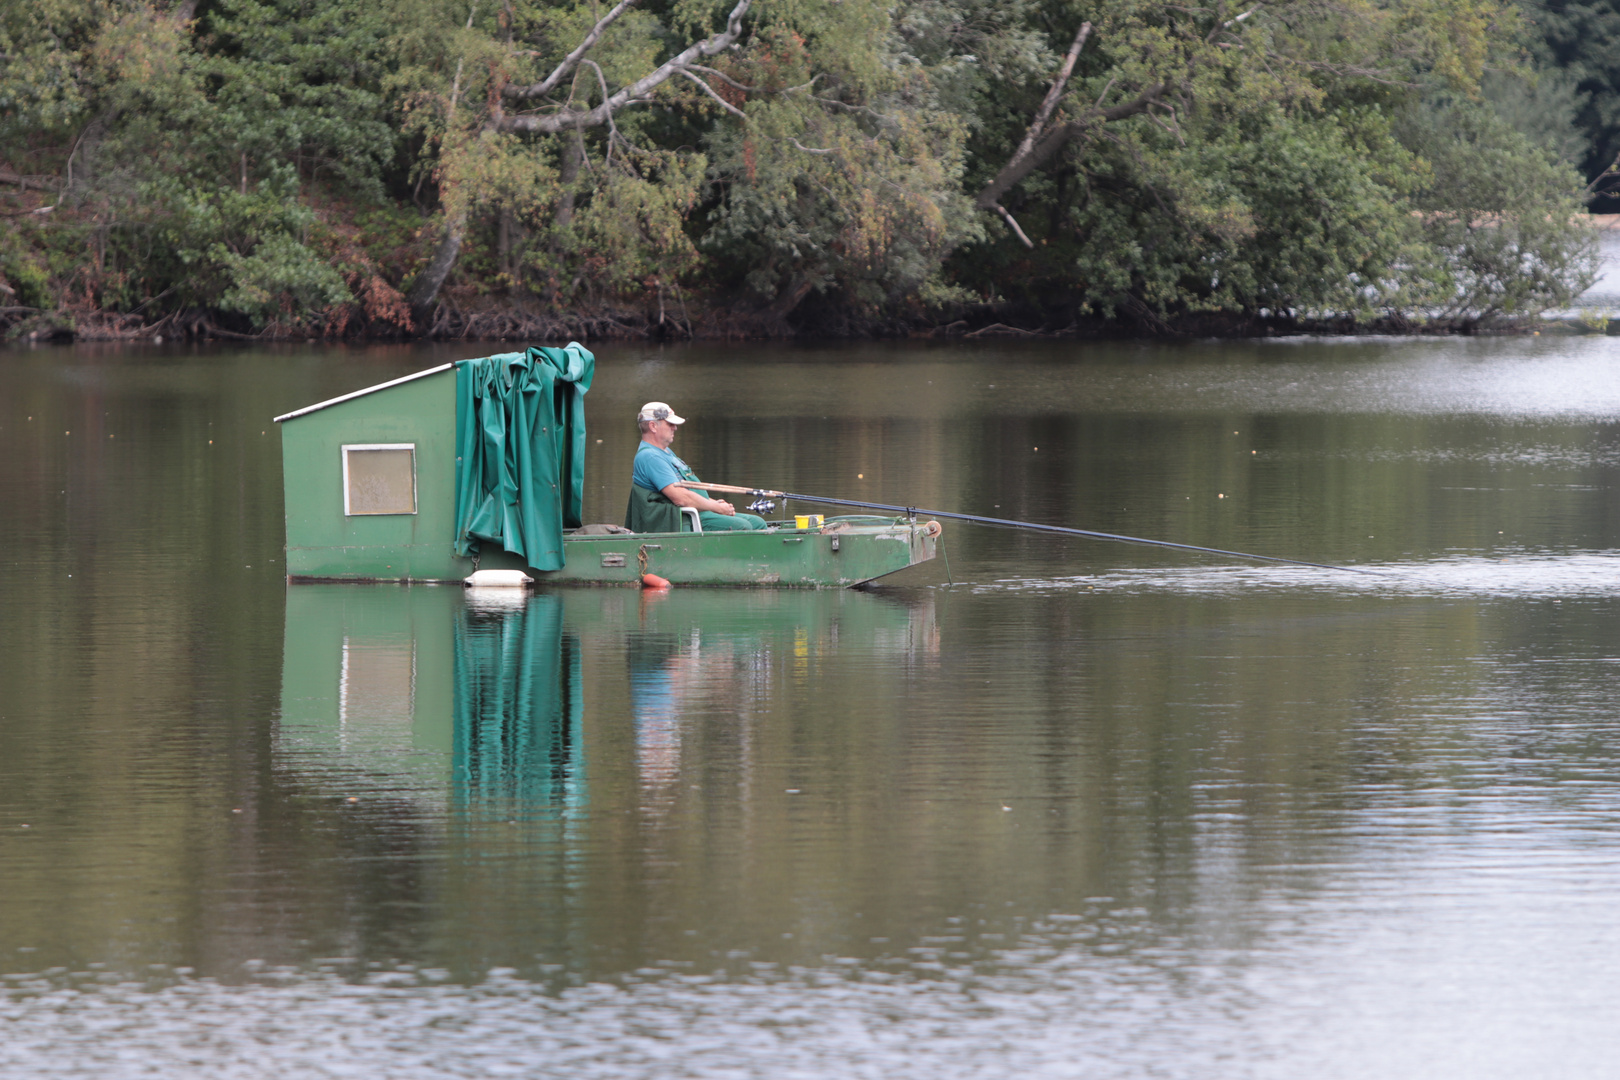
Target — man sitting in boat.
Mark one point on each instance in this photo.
(655, 493)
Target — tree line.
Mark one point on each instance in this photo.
(533, 168)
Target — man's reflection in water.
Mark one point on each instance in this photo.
(702, 675)
(671, 675)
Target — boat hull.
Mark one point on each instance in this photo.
(838, 555)
(787, 558)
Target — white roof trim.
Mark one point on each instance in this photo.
(363, 393)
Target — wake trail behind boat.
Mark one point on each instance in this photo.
(1522, 575)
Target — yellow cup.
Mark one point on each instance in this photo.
(807, 521)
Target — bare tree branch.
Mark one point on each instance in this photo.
(637, 91)
(613, 130)
(569, 62)
(455, 84)
(809, 149)
(883, 118)
(729, 81)
(1360, 71)
(745, 88)
(428, 283)
(1012, 224)
(724, 104)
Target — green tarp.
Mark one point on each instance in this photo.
(520, 450)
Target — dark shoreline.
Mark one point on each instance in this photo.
(516, 325)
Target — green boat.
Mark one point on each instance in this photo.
(479, 465)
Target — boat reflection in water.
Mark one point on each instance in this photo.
(504, 704)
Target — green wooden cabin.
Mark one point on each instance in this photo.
(372, 480)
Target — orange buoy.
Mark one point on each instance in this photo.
(653, 581)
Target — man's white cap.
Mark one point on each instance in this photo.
(657, 410)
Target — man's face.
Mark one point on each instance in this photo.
(664, 431)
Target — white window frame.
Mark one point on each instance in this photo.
(416, 502)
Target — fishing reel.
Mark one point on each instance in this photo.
(762, 506)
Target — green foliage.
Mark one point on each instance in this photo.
(47, 71)
(271, 160)
(245, 253)
(1542, 105)
(1580, 40)
(299, 81)
(1502, 215)
(377, 235)
(279, 277)
(629, 231)
(1274, 177)
(25, 272)
(1277, 215)
(629, 198)
(845, 178)
(1274, 214)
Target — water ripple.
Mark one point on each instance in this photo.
(1520, 574)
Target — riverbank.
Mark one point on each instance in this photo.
(517, 325)
(381, 315)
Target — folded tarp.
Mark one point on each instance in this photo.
(520, 450)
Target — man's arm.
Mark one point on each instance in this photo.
(687, 497)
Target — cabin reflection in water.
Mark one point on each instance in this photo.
(424, 694)
(435, 699)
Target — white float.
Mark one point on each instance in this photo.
(498, 579)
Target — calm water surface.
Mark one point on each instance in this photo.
(1055, 809)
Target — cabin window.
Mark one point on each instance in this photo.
(379, 479)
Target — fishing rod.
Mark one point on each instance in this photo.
(1008, 523)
